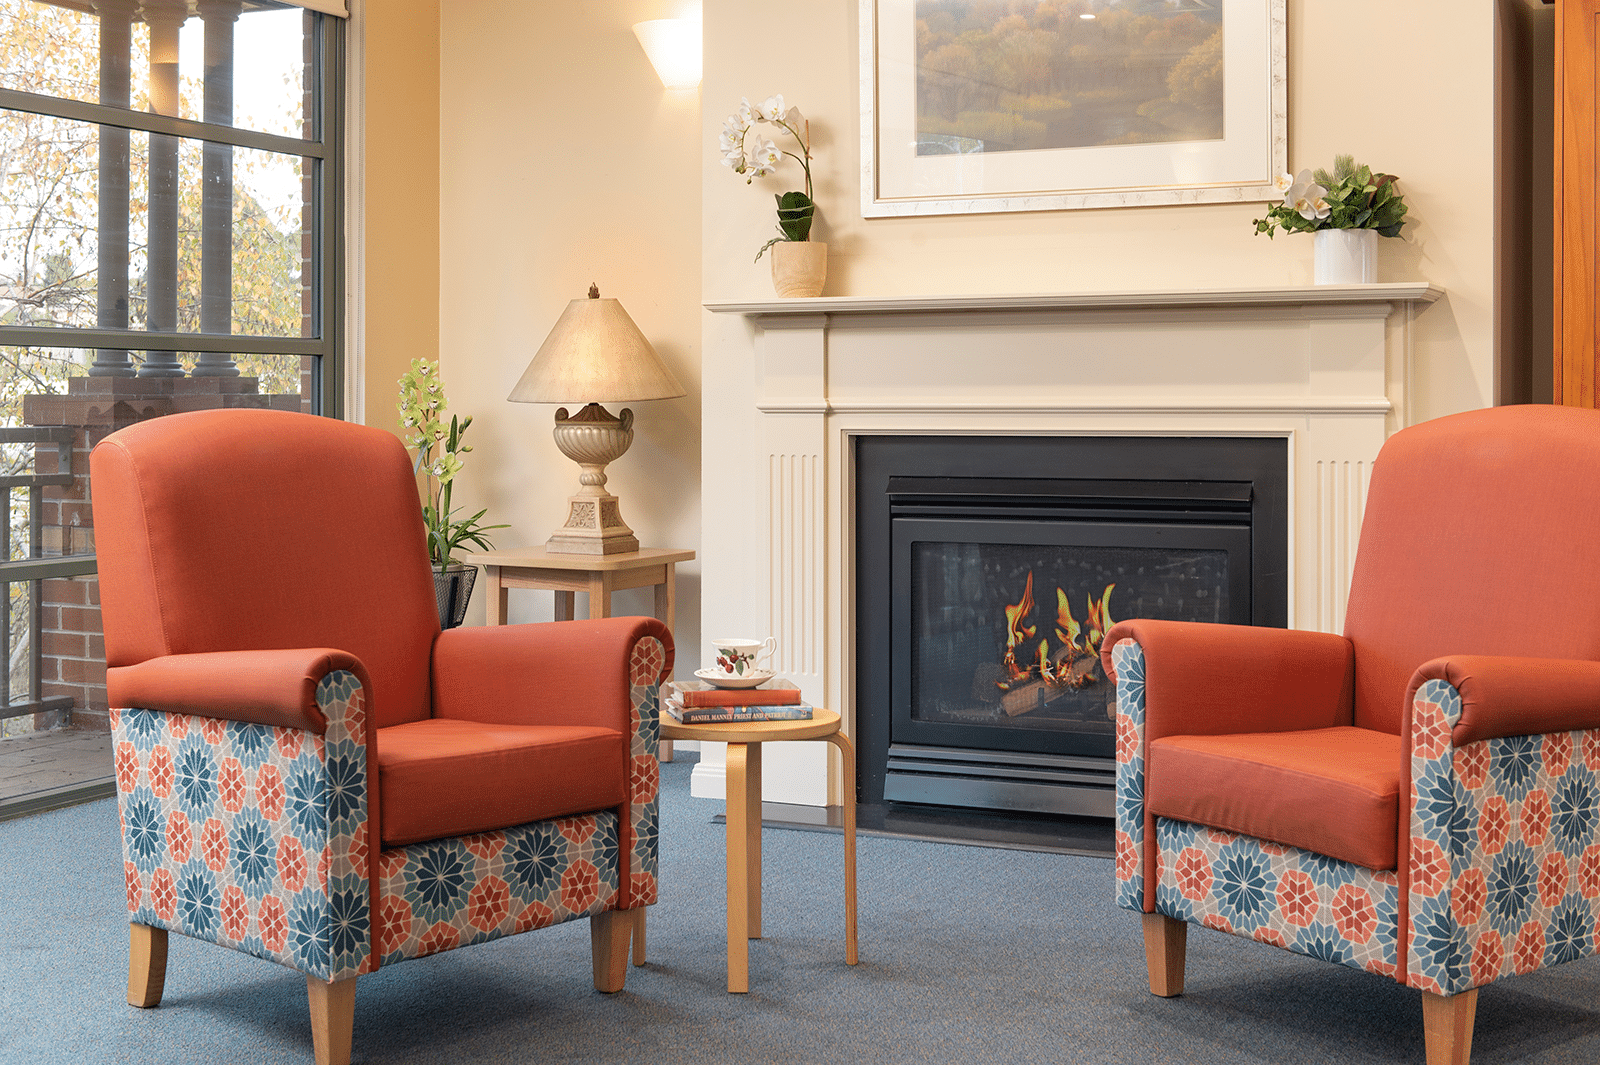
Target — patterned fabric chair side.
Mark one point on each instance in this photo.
(251, 836)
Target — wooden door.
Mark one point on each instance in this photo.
(1577, 185)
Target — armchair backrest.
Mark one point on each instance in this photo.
(1481, 536)
(246, 529)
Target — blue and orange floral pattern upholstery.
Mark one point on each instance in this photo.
(255, 837)
(1505, 852)
(1503, 869)
(1128, 657)
(251, 836)
(1277, 894)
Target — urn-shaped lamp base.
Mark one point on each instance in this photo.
(593, 438)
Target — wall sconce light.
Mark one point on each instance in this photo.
(673, 45)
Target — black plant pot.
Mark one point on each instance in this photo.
(452, 586)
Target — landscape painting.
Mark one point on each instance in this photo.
(1038, 105)
(1001, 76)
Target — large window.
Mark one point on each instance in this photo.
(169, 241)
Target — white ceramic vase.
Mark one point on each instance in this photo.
(799, 267)
(1345, 256)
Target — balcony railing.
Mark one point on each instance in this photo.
(34, 567)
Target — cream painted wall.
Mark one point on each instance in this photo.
(401, 210)
(1416, 99)
(563, 161)
(1413, 93)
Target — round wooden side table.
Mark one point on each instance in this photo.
(744, 740)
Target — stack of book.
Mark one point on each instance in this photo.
(695, 702)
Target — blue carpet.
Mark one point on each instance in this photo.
(967, 955)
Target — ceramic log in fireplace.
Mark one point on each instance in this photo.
(991, 569)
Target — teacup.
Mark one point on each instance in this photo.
(740, 657)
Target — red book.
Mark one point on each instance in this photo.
(772, 693)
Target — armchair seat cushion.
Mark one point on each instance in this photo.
(448, 777)
(1334, 791)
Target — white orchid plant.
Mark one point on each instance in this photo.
(759, 155)
(1351, 197)
(438, 449)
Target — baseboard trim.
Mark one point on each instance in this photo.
(39, 802)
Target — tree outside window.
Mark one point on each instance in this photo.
(168, 177)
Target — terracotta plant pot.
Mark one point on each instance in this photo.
(799, 267)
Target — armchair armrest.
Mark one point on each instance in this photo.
(248, 810)
(263, 687)
(1204, 679)
(1498, 838)
(604, 673)
(1178, 678)
(548, 673)
(1504, 696)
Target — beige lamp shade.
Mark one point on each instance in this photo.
(595, 354)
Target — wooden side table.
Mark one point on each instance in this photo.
(599, 575)
(744, 740)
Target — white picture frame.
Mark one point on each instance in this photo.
(1243, 166)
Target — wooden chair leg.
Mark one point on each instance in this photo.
(638, 935)
(333, 1018)
(1165, 941)
(1447, 1026)
(609, 934)
(147, 965)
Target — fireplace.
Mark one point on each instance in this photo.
(1323, 371)
(990, 569)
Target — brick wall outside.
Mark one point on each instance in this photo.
(72, 660)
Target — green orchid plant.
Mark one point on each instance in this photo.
(1351, 197)
(438, 450)
(796, 210)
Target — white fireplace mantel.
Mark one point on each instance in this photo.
(1326, 368)
(1302, 295)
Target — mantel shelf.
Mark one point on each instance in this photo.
(1408, 292)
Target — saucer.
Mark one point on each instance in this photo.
(720, 680)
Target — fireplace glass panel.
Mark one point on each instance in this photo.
(1008, 635)
(998, 623)
(948, 531)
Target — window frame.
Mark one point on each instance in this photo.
(329, 392)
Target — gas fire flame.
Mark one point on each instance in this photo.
(1016, 632)
(1076, 641)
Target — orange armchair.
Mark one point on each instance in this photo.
(1420, 797)
(308, 770)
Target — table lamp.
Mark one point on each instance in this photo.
(594, 355)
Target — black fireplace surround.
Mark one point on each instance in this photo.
(988, 568)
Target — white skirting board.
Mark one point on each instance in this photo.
(790, 772)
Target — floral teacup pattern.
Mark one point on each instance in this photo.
(738, 657)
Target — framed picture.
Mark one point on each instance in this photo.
(973, 106)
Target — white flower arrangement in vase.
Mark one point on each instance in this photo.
(750, 153)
